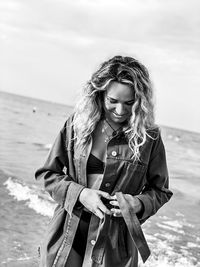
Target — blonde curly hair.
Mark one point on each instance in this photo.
(89, 109)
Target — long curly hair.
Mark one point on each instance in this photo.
(89, 109)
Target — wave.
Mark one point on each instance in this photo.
(164, 253)
(14, 260)
(43, 146)
(162, 244)
(34, 198)
(170, 245)
(172, 260)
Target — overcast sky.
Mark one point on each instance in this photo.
(49, 49)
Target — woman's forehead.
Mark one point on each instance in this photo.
(120, 91)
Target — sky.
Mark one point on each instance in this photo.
(49, 49)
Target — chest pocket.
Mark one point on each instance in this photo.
(132, 178)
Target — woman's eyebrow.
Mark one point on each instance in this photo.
(111, 98)
(128, 102)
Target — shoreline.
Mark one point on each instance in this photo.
(21, 230)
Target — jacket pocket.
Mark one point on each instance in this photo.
(132, 178)
(137, 166)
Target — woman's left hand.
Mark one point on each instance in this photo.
(116, 212)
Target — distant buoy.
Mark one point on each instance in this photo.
(177, 138)
(48, 146)
(170, 136)
(34, 109)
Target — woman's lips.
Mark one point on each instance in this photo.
(118, 116)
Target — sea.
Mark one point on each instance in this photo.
(28, 127)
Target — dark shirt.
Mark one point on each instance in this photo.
(94, 165)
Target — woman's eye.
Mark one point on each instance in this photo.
(112, 101)
(130, 103)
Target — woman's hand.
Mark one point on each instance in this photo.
(91, 199)
(116, 212)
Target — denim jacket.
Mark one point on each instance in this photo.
(112, 241)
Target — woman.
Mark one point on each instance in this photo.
(107, 171)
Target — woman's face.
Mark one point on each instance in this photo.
(118, 102)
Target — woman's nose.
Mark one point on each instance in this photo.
(120, 109)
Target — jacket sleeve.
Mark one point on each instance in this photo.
(156, 192)
(55, 172)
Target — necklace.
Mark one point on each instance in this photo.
(108, 136)
(114, 131)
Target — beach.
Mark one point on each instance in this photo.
(28, 129)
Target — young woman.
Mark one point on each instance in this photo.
(107, 171)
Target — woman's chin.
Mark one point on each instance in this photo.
(118, 120)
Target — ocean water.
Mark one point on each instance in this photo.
(28, 127)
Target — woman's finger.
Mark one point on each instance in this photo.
(99, 213)
(116, 212)
(114, 203)
(103, 208)
(114, 197)
(104, 194)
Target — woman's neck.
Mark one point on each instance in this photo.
(115, 126)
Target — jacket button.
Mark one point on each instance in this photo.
(93, 242)
(114, 153)
(107, 184)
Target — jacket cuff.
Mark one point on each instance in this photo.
(73, 193)
(147, 207)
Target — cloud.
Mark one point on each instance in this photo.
(127, 20)
(46, 43)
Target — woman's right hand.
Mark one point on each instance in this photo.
(91, 199)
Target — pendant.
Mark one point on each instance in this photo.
(106, 139)
(106, 136)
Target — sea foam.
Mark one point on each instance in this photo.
(163, 261)
(34, 198)
(163, 254)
